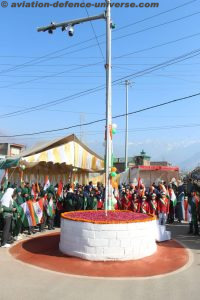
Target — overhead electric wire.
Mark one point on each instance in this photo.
(94, 32)
(77, 44)
(156, 26)
(158, 45)
(102, 120)
(184, 57)
(44, 56)
(93, 64)
(157, 15)
(101, 87)
(49, 76)
(121, 131)
(120, 56)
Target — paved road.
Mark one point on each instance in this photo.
(23, 282)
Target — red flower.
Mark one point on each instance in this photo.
(100, 216)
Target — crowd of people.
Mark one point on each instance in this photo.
(30, 208)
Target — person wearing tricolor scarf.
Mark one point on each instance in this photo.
(135, 203)
(163, 208)
(126, 200)
(144, 206)
(194, 204)
(153, 205)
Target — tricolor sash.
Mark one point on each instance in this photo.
(163, 202)
(153, 206)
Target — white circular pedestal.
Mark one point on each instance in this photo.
(102, 242)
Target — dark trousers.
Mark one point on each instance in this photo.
(43, 224)
(31, 229)
(17, 227)
(6, 230)
(193, 227)
(50, 222)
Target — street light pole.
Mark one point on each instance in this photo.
(108, 150)
(127, 83)
(69, 25)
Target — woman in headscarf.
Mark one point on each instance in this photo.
(8, 209)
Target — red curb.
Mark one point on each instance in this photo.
(43, 252)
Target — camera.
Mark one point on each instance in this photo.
(70, 30)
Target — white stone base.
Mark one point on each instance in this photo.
(162, 234)
(102, 242)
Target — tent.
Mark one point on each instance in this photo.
(65, 158)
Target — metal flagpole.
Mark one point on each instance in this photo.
(127, 84)
(126, 130)
(108, 152)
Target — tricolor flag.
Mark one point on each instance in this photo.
(38, 210)
(172, 197)
(140, 187)
(59, 204)
(139, 183)
(37, 187)
(60, 189)
(46, 183)
(50, 208)
(28, 214)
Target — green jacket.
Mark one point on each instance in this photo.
(7, 211)
(20, 200)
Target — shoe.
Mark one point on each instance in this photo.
(11, 241)
(6, 246)
(18, 238)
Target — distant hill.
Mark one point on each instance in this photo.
(191, 162)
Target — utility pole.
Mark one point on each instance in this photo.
(69, 26)
(127, 84)
(108, 150)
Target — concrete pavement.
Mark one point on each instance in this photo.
(20, 281)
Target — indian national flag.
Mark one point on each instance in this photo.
(172, 197)
(60, 189)
(38, 210)
(50, 208)
(46, 183)
(139, 183)
(28, 214)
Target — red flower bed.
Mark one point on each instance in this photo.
(100, 217)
